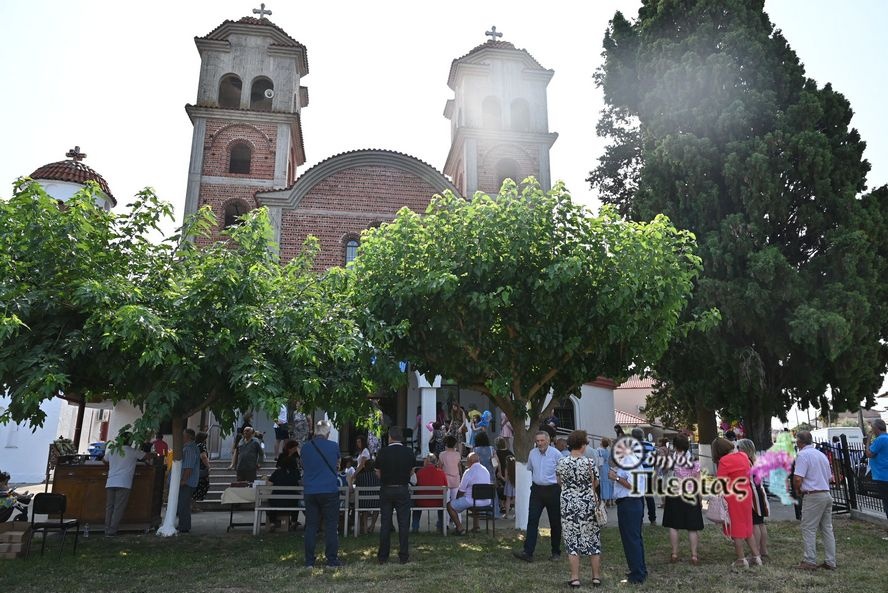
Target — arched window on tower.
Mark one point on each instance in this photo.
(230, 91)
(351, 250)
(507, 168)
(520, 116)
(239, 158)
(261, 94)
(234, 209)
(492, 118)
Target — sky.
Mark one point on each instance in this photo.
(114, 77)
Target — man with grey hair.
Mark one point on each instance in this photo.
(545, 493)
(811, 480)
(320, 458)
(877, 453)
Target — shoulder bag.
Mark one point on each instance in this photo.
(327, 463)
(717, 511)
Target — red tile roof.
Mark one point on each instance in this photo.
(625, 418)
(635, 382)
(73, 171)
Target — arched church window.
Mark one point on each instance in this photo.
(261, 94)
(230, 91)
(239, 158)
(234, 209)
(492, 118)
(351, 250)
(507, 168)
(520, 116)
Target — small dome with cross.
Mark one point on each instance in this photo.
(63, 179)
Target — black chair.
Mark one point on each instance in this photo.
(408, 438)
(486, 512)
(51, 503)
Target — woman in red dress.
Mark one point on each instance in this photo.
(734, 467)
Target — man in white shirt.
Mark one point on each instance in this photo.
(474, 474)
(811, 480)
(545, 493)
(121, 469)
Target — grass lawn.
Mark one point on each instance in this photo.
(238, 562)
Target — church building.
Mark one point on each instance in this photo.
(248, 145)
(247, 148)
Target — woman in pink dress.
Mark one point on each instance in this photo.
(734, 468)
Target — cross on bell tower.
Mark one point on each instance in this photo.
(499, 123)
(75, 154)
(261, 11)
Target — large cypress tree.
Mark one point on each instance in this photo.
(713, 122)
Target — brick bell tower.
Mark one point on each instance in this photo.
(247, 129)
(499, 118)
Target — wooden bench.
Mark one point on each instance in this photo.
(288, 499)
(366, 499)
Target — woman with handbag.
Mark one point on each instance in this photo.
(734, 468)
(203, 481)
(760, 506)
(578, 477)
(680, 514)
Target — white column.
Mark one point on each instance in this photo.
(428, 395)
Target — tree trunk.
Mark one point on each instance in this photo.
(522, 441)
(706, 427)
(757, 426)
(168, 528)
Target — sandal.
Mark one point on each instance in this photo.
(596, 582)
(673, 558)
(459, 532)
(574, 584)
(738, 564)
(695, 561)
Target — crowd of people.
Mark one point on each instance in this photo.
(574, 482)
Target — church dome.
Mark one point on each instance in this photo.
(72, 171)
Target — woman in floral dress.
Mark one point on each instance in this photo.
(578, 477)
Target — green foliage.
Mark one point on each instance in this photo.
(92, 307)
(714, 123)
(524, 292)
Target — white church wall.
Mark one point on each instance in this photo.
(23, 450)
(594, 410)
(65, 190)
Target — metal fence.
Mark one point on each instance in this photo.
(851, 485)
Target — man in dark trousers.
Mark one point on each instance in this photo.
(320, 458)
(394, 466)
(545, 493)
(648, 446)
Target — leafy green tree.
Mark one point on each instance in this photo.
(714, 123)
(91, 305)
(523, 294)
(48, 254)
(226, 327)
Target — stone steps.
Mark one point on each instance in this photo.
(221, 478)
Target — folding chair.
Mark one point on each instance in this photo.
(486, 512)
(52, 503)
